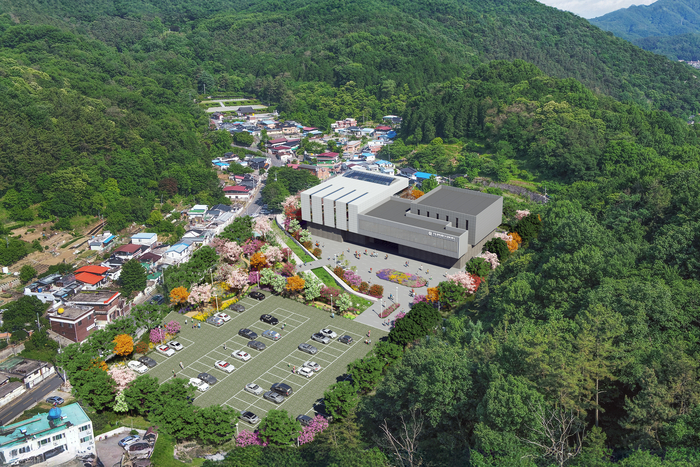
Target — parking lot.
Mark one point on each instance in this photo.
(205, 345)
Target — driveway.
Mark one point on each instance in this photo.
(109, 451)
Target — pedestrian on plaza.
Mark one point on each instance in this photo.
(181, 366)
(185, 321)
(420, 268)
(368, 333)
(427, 271)
(224, 345)
(294, 369)
(173, 373)
(199, 325)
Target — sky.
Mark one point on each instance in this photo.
(593, 8)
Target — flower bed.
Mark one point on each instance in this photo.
(388, 311)
(403, 278)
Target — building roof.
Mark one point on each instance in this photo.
(383, 128)
(129, 248)
(468, 202)
(328, 154)
(178, 248)
(395, 210)
(425, 175)
(198, 208)
(236, 188)
(100, 297)
(73, 312)
(150, 257)
(93, 269)
(41, 425)
(6, 389)
(88, 278)
(144, 236)
(246, 110)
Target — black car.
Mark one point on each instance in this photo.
(237, 307)
(55, 400)
(207, 378)
(248, 334)
(257, 295)
(148, 361)
(269, 319)
(157, 300)
(257, 345)
(305, 420)
(345, 339)
(281, 388)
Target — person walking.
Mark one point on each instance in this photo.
(182, 366)
(224, 345)
(185, 321)
(199, 325)
(294, 369)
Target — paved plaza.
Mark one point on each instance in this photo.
(432, 273)
(205, 345)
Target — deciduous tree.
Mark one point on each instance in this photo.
(340, 399)
(123, 345)
(279, 429)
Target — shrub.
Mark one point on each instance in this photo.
(497, 246)
(307, 244)
(376, 290)
(364, 287)
(141, 347)
(478, 266)
(317, 252)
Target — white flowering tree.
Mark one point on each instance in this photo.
(273, 254)
(237, 278)
(464, 280)
(305, 236)
(344, 302)
(199, 294)
(312, 285)
(122, 375)
(262, 226)
(492, 258)
(231, 251)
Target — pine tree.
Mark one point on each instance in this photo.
(133, 277)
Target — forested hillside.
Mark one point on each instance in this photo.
(372, 43)
(661, 18)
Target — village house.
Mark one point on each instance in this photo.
(237, 192)
(10, 390)
(31, 372)
(100, 242)
(144, 238)
(108, 305)
(178, 253)
(75, 322)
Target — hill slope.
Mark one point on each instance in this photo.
(662, 18)
(369, 42)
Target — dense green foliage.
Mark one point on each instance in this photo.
(661, 18)
(680, 47)
(132, 278)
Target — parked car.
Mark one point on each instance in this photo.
(313, 365)
(274, 397)
(247, 333)
(257, 295)
(224, 366)
(55, 400)
(305, 420)
(308, 348)
(137, 366)
(274, 335)
(176, 345)
(148, 361)
(199, 384)
(269, 319)
(328, 333)
(282, 388)
(237, 307)
(253, 389)
(165, 350)
(207, 378)
(305, 371)
(346, 340)
(157, 300)
(138, 447)
(241, 355)
(318, 337)
(223, 316)
(257, 345)
(131, 439)
(250, 417)
(215, 321)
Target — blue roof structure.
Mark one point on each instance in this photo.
(178, 248)
(144, 236)
(424, 175)
(108, 239)
(43, 425)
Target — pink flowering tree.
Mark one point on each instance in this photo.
(248, 438)
(157, 335)
(273, 254)
(250, 247)
(173, 327)
(218, 245)
(491, 258)
(200, 294)
(287, 253)
(254, 277)
(419, 298)
(237, 279)
(464, 280)
(222, 272)
(504, 236)
(231, 251)
(520, 214)
(399, 315)
(262, 226)
(352, 279)
(122, 375)
(309, 432)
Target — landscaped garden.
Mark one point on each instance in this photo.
(403, 278)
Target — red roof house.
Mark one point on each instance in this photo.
(99, 270)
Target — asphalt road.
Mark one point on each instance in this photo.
(28, 399)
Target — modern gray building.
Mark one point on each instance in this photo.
(446, 226)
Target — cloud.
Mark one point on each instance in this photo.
(593, 8)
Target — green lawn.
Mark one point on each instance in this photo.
(292, 244)
(205, 346)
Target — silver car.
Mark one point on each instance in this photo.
(274, 397)
(250, 417)
(274, 335)
(253, 389)
(318, 337)
(308, 348)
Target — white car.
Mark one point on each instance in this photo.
(138, 367)
(165, 350)
(305, 371)
(328, 333)
(176, 345)
(224, 366)
(223, 316)
(199, 384)
(254, 389)
(313, 365)
(241, 355)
